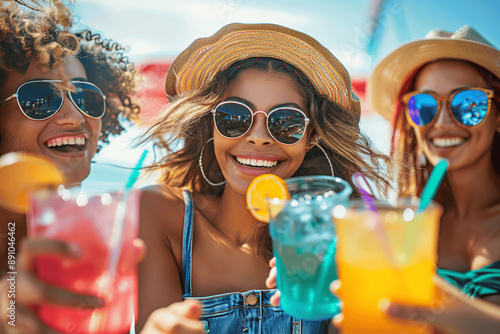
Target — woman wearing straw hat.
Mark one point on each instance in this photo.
(442, 95)
(220, 248)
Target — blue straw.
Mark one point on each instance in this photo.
(433, 184)
(119, 221)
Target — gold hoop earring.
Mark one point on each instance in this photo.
(213, 184)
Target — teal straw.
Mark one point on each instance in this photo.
(121, 209)
(430, 190)
(433, 184)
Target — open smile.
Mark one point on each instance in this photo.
(67, 144)
(256, 163)
(446, 142)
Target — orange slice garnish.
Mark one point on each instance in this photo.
(260, 189)
(22, 174)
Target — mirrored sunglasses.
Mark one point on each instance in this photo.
(234, 119)
(40, 100)
(469, 106)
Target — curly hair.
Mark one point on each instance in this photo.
(412, 176)
(42, 34)
(108, 67)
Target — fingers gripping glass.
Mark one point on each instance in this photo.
(469, 106)
(234, 119)
(39, 99)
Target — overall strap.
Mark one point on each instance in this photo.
(187, 242)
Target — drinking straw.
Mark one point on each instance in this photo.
(121, 208)
(430, 190)
(378, 226)
(116, 240)
(433, 184)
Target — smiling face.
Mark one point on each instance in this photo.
(256, 153)
(462, 146)
(70, 141)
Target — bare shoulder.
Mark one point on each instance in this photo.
(162, 211)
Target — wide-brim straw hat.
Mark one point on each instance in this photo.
(237, 41)
(390, 74)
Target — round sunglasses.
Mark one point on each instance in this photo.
(469, 106)
(39, 99)
(234, 119)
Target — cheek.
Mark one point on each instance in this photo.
(95, 128)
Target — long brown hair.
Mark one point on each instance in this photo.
(187, 119)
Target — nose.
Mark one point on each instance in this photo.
(258, 133)
(69, 114)
(444, 117)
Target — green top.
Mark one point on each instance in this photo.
(475, 283)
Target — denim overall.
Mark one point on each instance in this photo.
(239, 312)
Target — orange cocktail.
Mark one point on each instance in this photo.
(389, 254)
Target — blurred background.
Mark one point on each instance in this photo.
(357, 32)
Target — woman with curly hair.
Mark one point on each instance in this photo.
(61, 96)
(252, 99)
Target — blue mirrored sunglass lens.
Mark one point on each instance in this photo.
(38, 100)
(88, 99)
(287, 125)
(232, 119)
(469, 107)
(422, 108)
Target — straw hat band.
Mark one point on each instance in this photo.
(201, 66)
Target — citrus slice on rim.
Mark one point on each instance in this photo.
(20, 175)
(260, 189)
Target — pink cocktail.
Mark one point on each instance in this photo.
(89, 222)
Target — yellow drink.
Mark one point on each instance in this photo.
(388, 254)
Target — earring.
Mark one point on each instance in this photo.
(423, 160)
(201, 167)
(315, 143)
(62, 115)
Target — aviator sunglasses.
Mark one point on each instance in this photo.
(286, 125)
(469, 106)
(39, 100)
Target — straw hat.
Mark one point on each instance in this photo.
(388, 77)
(234, 42)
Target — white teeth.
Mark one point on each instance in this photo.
(447, 142)
(66, 141)
(256, 163)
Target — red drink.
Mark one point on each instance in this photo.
(90, 227)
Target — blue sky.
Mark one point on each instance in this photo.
(162, 28)
(156, 29)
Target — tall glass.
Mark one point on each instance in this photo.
(389, 253)
(304, 245)
(102, 220)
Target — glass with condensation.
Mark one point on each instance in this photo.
(102, 219)
(388, 253)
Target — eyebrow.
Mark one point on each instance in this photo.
(252, 106)
(453, 91)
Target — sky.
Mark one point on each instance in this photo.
(160, 29)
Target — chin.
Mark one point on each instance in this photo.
(75, 176)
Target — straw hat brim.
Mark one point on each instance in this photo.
(389, 75)
(237, 41)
